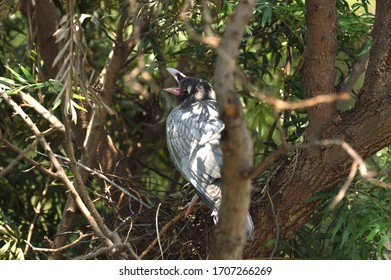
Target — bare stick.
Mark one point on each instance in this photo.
(210, 39)
(45, 113)
(157, 230)
(115, 247)
(70, 245)
(281, 105)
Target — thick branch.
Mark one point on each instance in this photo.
(319, 58)
(229, 237)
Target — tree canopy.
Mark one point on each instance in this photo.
(84, 168)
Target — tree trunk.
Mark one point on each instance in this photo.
(367, 128)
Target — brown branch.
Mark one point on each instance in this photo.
(105, 178)
(45, 113)
(229, 237)
(22, 155)
(357, 69)
(70, 245)
(358, 161)
(119, 248)
(281, 105)
(78, 180)
(319, 58)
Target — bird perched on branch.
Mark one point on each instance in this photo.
(193, 135)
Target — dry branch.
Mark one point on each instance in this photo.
(281, 105)
(68, 246)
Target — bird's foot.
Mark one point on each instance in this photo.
(190, 206)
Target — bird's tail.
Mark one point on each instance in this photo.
(249, 227)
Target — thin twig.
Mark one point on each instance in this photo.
(104, 177)
(21, 155)
(49, 250)
(36, 164)
(276, 222)
(281, 105)
(163, 230)
(115, 247)
(157, 230)
(37, 212)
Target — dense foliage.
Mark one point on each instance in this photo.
(270, 62)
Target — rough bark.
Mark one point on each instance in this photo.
(229, 237)
(367, 128)
(319, 57)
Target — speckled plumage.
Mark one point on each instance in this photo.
(193, 135)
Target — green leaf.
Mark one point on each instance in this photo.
(17, 76)
(365, 49)
(267, 16)
(41, 85)
(372, 234)
(345, 235)
(17, 89)
(341, 221)
(56, 86)
(5, 248)
(27, 74)
(8, 81)
(57, 102)
(78, 96)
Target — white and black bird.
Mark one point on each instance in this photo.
(193, 136)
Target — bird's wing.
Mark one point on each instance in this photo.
(193, 135)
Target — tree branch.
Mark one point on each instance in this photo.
(229, 237)
(319, 57)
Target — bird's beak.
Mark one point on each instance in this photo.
(177, 76)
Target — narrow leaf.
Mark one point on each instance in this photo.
(17, 76)
(27, 74)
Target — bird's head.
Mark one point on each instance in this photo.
(190, 90)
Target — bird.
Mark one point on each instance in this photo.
(193, 131)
